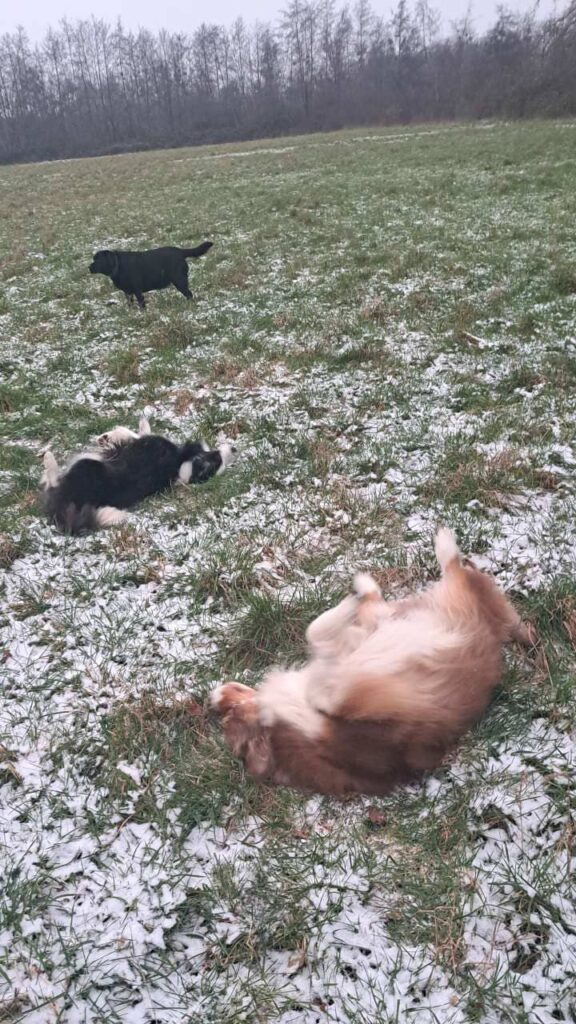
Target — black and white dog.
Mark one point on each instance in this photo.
(98, 486)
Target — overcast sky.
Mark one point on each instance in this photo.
(183, 15)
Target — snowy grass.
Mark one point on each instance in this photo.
(386, 328)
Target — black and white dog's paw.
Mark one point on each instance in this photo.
(118, 435)
(122, 435)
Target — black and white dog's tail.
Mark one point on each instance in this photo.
(77, 520)
(68, 517)
(198, 251)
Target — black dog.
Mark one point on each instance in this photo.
(137, 272)
(96, 487)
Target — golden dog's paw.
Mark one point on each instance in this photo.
(365, 586)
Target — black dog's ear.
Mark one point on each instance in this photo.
(113, 262)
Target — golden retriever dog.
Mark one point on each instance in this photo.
(388, 688)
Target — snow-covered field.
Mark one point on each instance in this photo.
(386, 328)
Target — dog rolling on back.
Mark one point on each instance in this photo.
(388, 689)
(98, 486)
(135, 273)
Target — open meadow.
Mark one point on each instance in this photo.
(144, 880)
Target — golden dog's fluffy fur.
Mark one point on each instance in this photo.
(388, 687)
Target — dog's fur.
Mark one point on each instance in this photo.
(388, 689)
(98, 486)
(135, 273)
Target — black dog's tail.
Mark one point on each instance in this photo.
(198, 251)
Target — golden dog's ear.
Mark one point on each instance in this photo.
(258, 758)
(241, 728)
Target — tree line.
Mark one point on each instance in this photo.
(89, 87)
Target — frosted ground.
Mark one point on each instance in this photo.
(143, 879)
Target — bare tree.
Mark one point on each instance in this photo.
(92, 88)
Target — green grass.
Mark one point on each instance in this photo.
(385, 328)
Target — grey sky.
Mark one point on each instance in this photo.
(182, 15)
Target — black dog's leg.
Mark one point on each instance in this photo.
(130, 298)
(140, 300)
(180, 281)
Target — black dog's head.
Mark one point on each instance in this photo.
(105, 262)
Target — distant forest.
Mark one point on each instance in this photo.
(91, 88)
